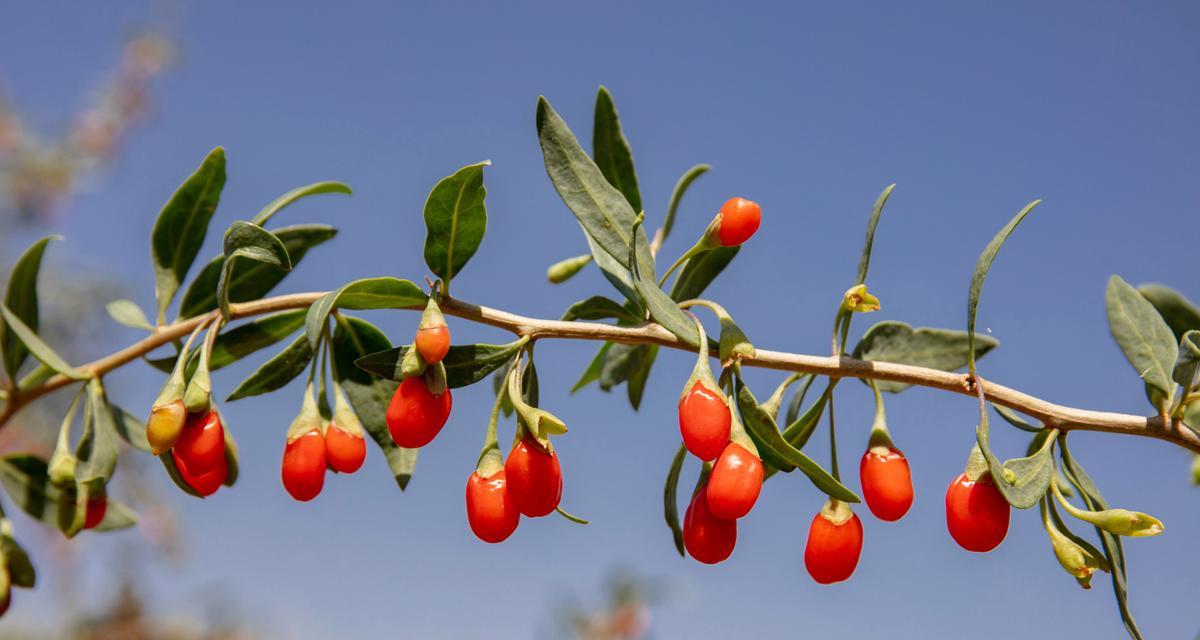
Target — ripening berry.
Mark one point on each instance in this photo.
(886, 482)
(706, 537)
(739, 220)
(415, 416)
(201, 446)
(433, 343)
(490, 511)
(205, 484)
(735, 482)
(976, 513)
(835, 540)
(165, 425)
(704, 422)
(303, 469)
(97, 506)
(534, 478)
(345, 451)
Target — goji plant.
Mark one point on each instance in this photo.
(359, 383)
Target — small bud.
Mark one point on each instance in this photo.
(165, 425)
(563, 270)
(857, 300)
(1074, 558)
(1124, 522)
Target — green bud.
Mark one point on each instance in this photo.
(563, 270)
(1074, 558)
(412, 364)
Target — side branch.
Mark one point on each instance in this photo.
(1053, 415)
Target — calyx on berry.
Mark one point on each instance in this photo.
(433, 336)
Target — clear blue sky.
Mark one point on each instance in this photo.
(973, 108)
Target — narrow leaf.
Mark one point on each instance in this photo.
(864, 263)
(465, 364)
(288, 198)
(599, 308)
(182, 224)
(455, 220)
(981, 270)
(671, 501)
(128, 313)
(1142, 334)
(36, 346)
(663, 309)
(276, 372)
(611, 150)
(592, 373)
(22, 297)
(368, 293)
(99, 458)
(681, 188)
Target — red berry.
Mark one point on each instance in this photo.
(415, 416)
(886, 482)
(490, 511)
(833, 548)
(303, 469)
(704, 422)
(97, 506)
(345, 451)
(534, 478)
(201, 446)
(739, 220)
(433, 343)
(205, 483)
(976, 513)
(735, 482)
(706, 537)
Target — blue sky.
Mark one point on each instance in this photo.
(972, 108)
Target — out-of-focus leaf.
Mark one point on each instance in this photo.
(182, 224)
(25, 479)
(681, 188)
(611, 150)
(1142, 334)
(276, 372)
(354, 338)
(278, 204)
(130, 427)
(894, 341)
(40, 350)
(16, 560)
(22, 298)
(98, 458)
(251, 280)
(1181, 314)
(128, 313)
(455, 220)
(245, 339)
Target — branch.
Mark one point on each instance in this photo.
(1053, 415)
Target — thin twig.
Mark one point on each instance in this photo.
(1053, 415)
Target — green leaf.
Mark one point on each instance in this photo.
(368, 293)
(276, 372)
(864, 263)
(636, 386)
(599, 308)
(251, 280)
(1015, 420)
(700, 271)
(799, 431)
(681, 188)
(1114, 551)
(592, 373)
(26, 480)
(981, 270)
(98, 448)
(671, 502)
(244, 339)
(455, 220)
(36, 346)
(182, 224)
(898, 342)
(620, 362)
(354, 338)
(605, 214)
(252, 242)
(1022, 481)
(288, 198)
(22, 298)
(1180, 313)
(663, 309)
(1188, 362)
(611, 150)
(128, 313)
(130, 427)
(16, 560)
(1142, 334)
(465, 364)
(763, 427)
(614, 271)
